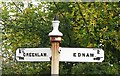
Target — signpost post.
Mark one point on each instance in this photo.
(55, 38)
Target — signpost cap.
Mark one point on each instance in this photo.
(55, 32)
(55, 17)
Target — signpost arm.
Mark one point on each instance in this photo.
(55, 38)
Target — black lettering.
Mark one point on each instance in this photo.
(79, 54)
(83, 54)
(45, 54)
(98, 51)
(41, 54)
(87, 55)
(74, 54)
(24, 54)
(36, 54)
(21, 58)
(30, 54)
(91, 55)
(33, 54)
(19, 51)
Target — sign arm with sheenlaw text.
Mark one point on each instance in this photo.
(33, 54)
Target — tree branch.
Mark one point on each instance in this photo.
(17, 6)
(81, 13)
(82, 17)
(68, 34)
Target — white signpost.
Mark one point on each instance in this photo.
(33, 54)
(55, 54)
(81, 55)
(66, 54)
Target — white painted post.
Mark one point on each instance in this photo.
(55, 38)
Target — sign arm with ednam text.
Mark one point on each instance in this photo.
(81, 55)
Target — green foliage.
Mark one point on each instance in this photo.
(23, 28)
(83, 25)
(95, 68)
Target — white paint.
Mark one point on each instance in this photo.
(67, 54)
(55, 31)
(33, 54)
(58, 39)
